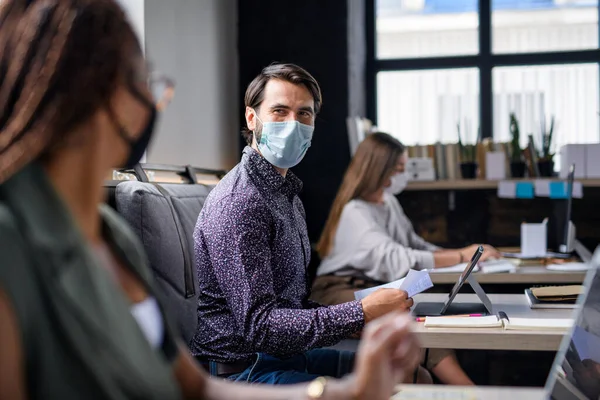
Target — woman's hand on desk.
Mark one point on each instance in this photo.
(447, 258)
(384, 301)
(489, 252)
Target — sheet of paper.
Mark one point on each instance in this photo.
(486, 267)
(458, 268)
(507, 190)
(573, 266)
(414, 283)
(542, 187)
(361, 294)
(499, 266)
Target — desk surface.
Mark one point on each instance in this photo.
(439, 392)
(534, 275)
(514, 305)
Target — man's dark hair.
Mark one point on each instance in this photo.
(285, 72)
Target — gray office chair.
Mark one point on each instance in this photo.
(164, 216)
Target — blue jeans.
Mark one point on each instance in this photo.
(300, 368)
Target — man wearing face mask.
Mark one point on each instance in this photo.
(252, 251)
(368, 240)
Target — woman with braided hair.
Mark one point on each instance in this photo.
(79, 318)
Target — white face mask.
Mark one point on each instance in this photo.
(399, 182)
(284, 144)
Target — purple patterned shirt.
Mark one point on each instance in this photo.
(252, 251)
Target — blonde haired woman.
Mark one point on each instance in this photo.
(368, 239)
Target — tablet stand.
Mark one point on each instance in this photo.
(485, 300)
(435, 309)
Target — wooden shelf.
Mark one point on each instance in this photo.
(479, 184)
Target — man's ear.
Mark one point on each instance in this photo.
(250, 118)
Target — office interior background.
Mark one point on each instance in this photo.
(415, 68)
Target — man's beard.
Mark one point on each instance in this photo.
(258, 132)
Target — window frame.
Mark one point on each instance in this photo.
(484, 61)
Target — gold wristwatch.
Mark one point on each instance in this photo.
(316, 388)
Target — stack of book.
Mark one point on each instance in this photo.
(446, 157)
(553, 296)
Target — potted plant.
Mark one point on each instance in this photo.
(517, 163)
(545, 158)
(468, 166)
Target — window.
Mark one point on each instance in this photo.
(419, 28)
(423, 107)
(544, 25)
(434, 66)
(534, 93)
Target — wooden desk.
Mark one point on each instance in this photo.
(529, 275)
(431, 392)
(515, 305)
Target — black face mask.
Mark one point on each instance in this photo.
(138, 146)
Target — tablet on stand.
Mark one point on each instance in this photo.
(450, 308)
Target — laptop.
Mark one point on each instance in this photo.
(575, 373)
(576, 370)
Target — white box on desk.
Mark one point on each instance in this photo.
(592, 161)
(495, 165)
(534, 239)
(420, 169)
(573, 154)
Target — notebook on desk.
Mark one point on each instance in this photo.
(575, 373)
(501, 320)
(557, 297)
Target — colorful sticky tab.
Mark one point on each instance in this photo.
(524, 190)
(558, 190)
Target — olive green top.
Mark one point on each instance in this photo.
(79, 338)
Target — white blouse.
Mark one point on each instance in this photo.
(376, 241)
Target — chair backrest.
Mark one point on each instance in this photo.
(164, 216)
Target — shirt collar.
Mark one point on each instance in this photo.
(267, 177)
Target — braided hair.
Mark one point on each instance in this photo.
(60, 61)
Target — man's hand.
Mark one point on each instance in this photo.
(384, 301)
(388, 352)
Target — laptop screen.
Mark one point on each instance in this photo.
(576, 370)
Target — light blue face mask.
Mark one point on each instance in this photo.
(284, 144)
